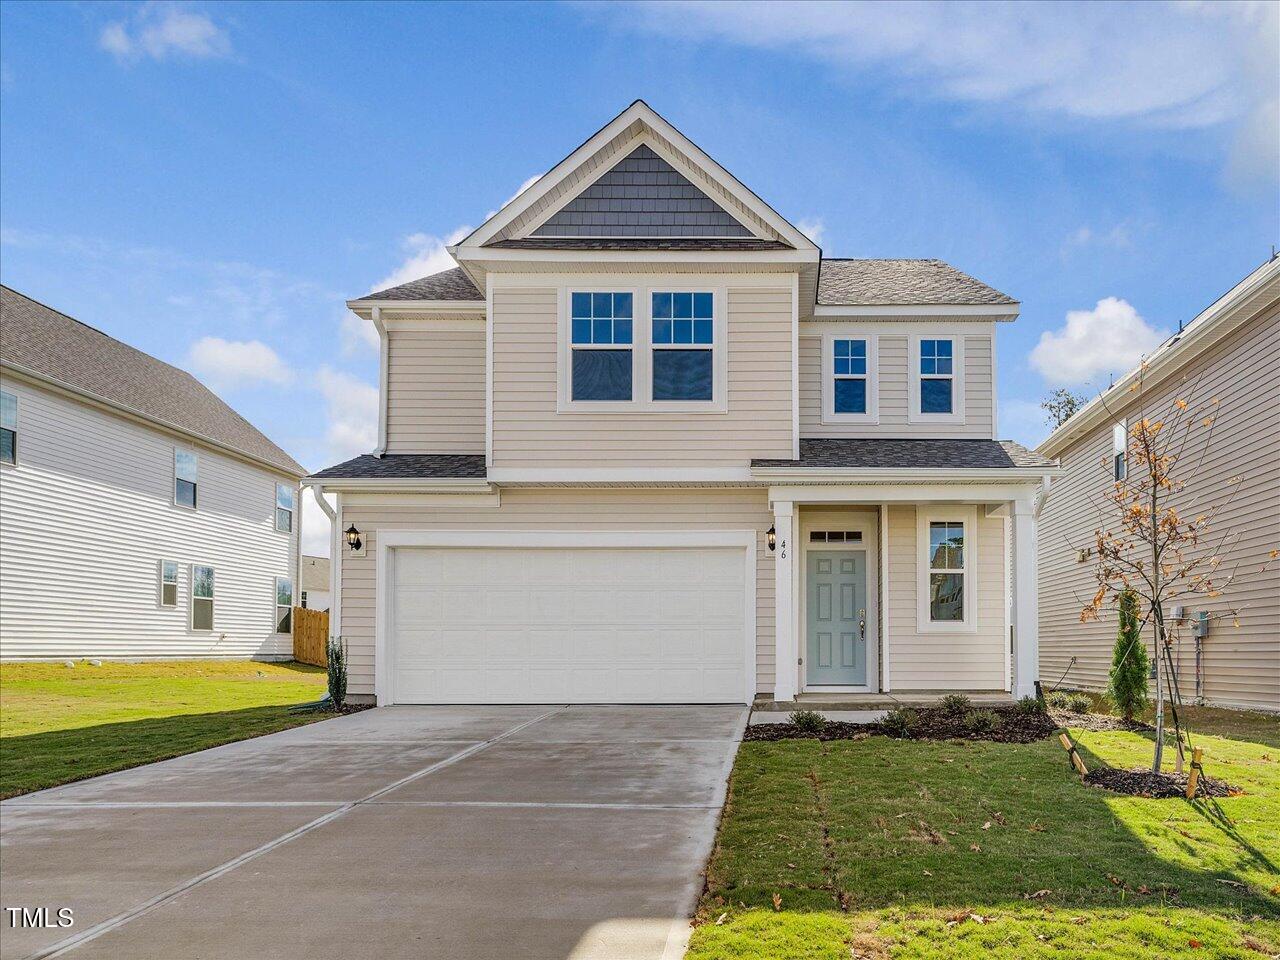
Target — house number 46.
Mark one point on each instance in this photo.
(782, 549)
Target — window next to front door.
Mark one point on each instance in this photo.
(945, 584)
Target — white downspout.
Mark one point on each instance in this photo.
(383, 351)
(1042, 495)
(335, 555)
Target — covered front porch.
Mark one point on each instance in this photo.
(899, 592)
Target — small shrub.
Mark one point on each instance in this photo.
(900, 722)
(808, 721)
(336, 657)
(1029, 705)
(1127, 683)
(1057, 699)
(980, 721)
(1079, 703)
(954, 703)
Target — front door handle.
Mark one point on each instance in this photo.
(862, 624)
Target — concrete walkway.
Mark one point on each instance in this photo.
(401, 832)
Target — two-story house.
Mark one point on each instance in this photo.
(140, 516)
(644, 444)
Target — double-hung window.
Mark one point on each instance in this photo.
(284, 605)
(284, 508)
(185, 477)
(849, 374)
(201, 597)
(168, 583)
(1119, 452)
(600, 342)
(937, 376)
(683, 346)
(8, 427)
(947, 592)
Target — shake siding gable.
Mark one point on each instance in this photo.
(88, 514)
(1241, 665)
(557, 509)
(529, 432)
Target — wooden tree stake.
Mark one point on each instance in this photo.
(1194, 777)
(1073, 754)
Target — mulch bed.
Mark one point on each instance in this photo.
(1159, 786)
(930, 723)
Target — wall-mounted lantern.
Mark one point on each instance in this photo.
(772, 537)
(353, 538)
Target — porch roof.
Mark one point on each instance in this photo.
(875, 453)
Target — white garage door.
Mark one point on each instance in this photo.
(568, 625)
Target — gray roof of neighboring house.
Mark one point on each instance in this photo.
(407, 466)
(875, 454)
(58, 348)
(641, 196)
(840, 282)
(315, 573)
(901, 282)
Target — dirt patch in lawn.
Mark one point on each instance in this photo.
(1157, 786)
(1097, 722)
(997, 724)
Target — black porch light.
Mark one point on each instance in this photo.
(353, 537)
(772, 537)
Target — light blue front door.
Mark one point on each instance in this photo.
(836, 650)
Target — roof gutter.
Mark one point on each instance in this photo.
(924, 475)
(390, 308)
(1002, 311)
(132, 413)
(460, 485)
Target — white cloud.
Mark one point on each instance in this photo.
(358, 334)
(227, 364)
(1110, 338)
(164, 30)
(316, 528)
(813, 228)
(1173, 65)
(426, 255)
(1117, 237)
(352, 414)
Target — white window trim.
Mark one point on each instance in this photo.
(967, 515)
(956, 416)
(642, 347)
(275, 507)
(13, 429)
(160, 582)
(829, 414)
(1120, 448)
(174, 489)
(275, 605)
(213, 601)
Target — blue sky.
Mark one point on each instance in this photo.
(210, 182)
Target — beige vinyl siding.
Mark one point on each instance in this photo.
(551, 509)
(945, 661)
(528, 431)
(87, 515)
(895, 352)
(435, 389)
(1241, 665)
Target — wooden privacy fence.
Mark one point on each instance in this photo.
(310, 636)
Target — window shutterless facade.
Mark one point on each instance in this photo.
(8, 427)
(946, 590)
(850, 375)
(284, 508)
(168, 583)
(185, 478)
(284, 605)
(601, 333)
(201, 597)
(1119, 451)
(683, 339)
(936, 379)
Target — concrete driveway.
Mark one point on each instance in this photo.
(401, 832)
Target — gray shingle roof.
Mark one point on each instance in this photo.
(452, 284)
(901, 282)
(639, 243)
(64, 350)
(873, 453)
(407, 466)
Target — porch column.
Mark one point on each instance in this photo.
(1026, 608)
(784, 682)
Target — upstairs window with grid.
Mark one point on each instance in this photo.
(683, 346)
(601, 336)
(849, 366)
(937, 376)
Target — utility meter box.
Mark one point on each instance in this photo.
(1200, 625)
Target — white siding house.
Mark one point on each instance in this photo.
(104, 553)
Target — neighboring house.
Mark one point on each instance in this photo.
(140, 516)
(1230, 354)
(644, 444)
(315, 583)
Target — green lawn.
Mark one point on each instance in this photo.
(60, 723)
(886, 848)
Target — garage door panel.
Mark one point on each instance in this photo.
(556, 625)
